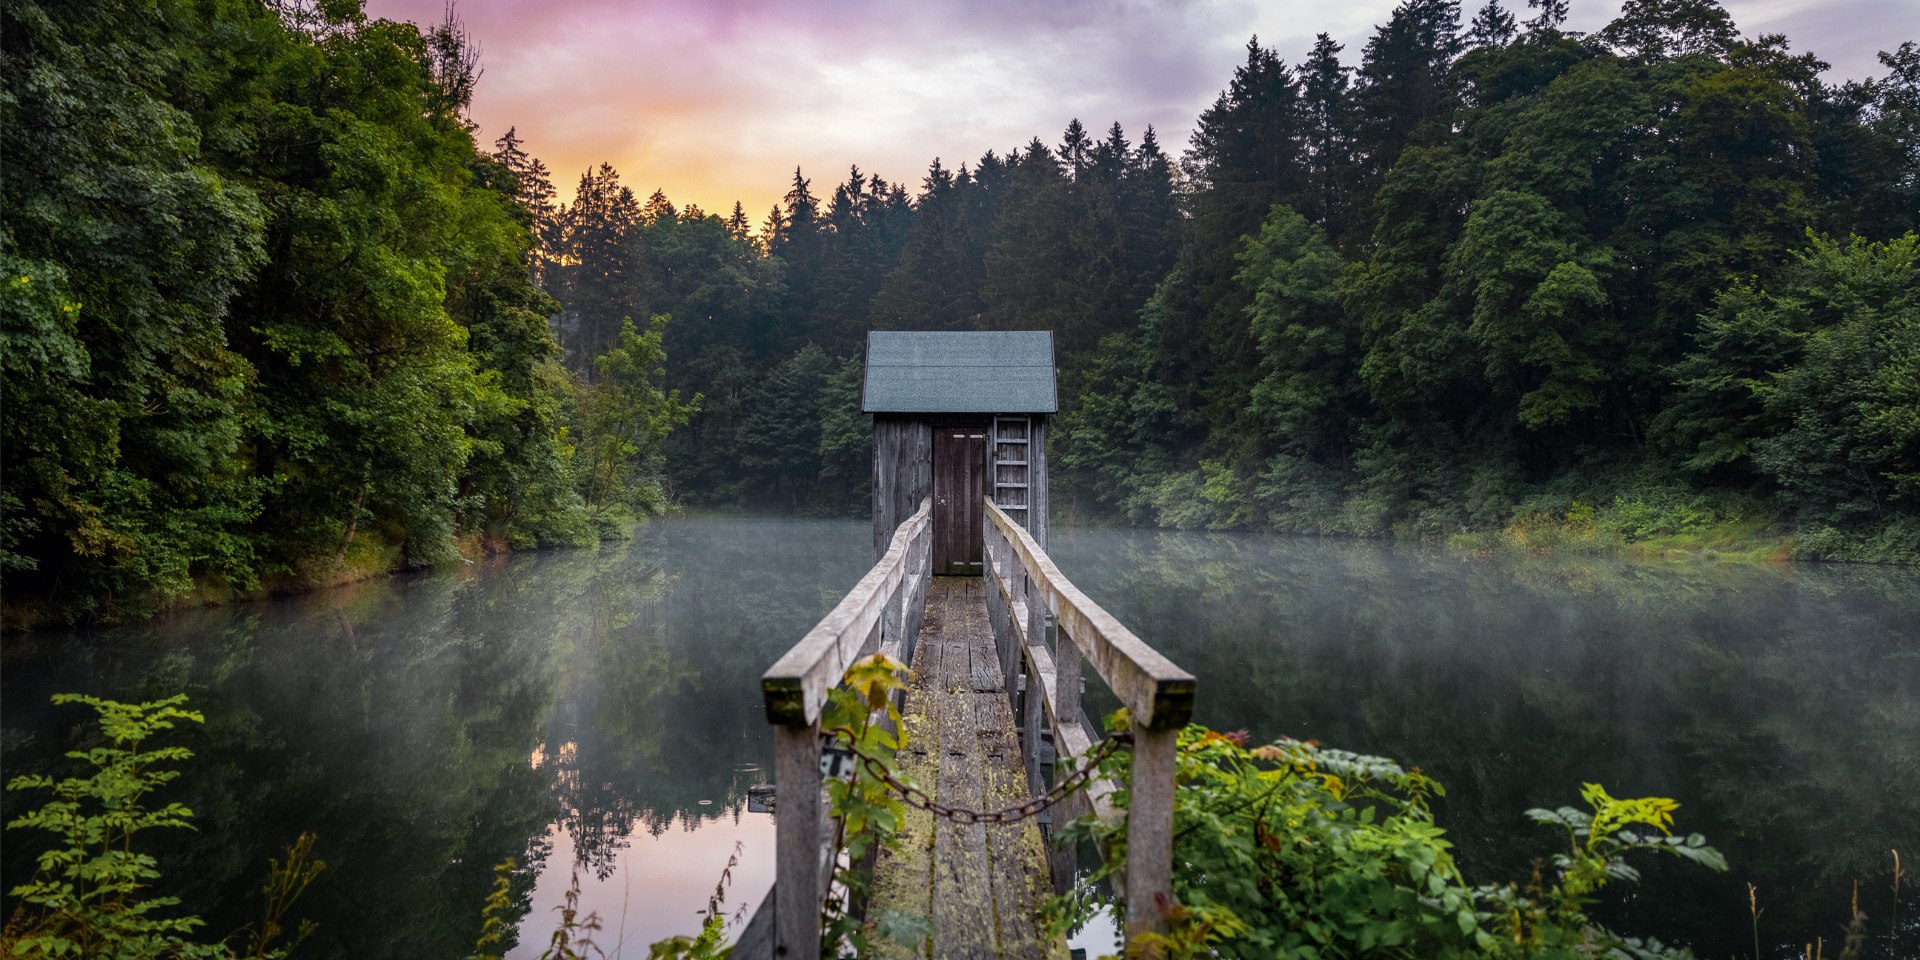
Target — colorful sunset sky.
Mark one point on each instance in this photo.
(715, 101)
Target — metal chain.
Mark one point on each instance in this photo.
(916, 797)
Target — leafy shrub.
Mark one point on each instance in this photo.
(92, 895)
(1296, 850)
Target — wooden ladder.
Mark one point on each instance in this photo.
(1010, 466)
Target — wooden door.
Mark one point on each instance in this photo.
(959, 487)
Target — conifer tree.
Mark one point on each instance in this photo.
(737, 226)
(1552, 14)
(1403, 94)
(799, 244)
(936, 282)
(1492, 26)
(1246, 154)
(533, 193)
(860, 246)
(799, 221)
(659, 210)
(595, 282)
(1324, 88)
(1076, 149)
(1149, 220)
(1031, 250)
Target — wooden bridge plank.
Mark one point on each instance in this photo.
(979, 884)
(962, 896)
(986, 669)
(1016, 853)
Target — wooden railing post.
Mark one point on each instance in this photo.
(796, 842)
(894, 621)
(1033, 721)
(920, 569)
(1036, 609)
(1150, 831)
(996, 604)
(1012, 661)
(1066, 674)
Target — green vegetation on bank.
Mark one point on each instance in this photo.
(1594, 270)
(268, 314)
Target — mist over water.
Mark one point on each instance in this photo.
(602, 707)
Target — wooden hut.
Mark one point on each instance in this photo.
(959, 416)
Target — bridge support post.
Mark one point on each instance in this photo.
(1150, 831)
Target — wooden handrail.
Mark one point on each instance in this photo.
(1031, 606)
(881, 614)
(1157, 693)
(795, 687)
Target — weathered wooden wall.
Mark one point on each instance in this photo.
(902, 472)
(1037, 495)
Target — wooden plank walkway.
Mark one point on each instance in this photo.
(980, 885)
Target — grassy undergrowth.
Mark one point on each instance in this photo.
(1641, 529)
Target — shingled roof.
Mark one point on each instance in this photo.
(997, 371)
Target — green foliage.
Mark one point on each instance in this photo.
(1810, 388)
(136, 246)
(624, 418)
(1510, 324)
(495, 925)
(295, 313)
(1310, 392)
(1114, 438)
(708, 944)
(861, 716)
(780, 436)
(302, 329)
(93, 893)
(846, 434)
(1296, 850)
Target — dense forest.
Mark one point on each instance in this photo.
(1659, 275)
(272, 315)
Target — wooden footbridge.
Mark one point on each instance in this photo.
(997, 644)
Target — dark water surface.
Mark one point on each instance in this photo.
(602, 706)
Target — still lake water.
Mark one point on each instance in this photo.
(600, 709)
